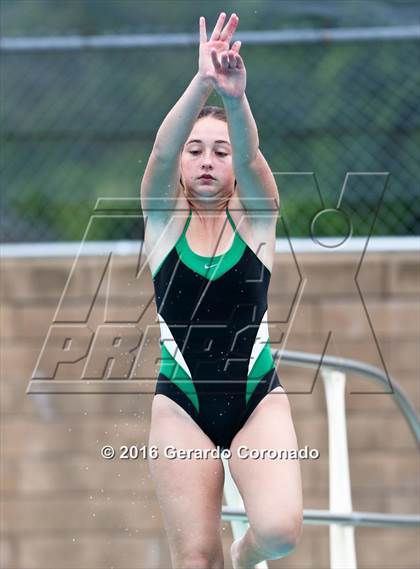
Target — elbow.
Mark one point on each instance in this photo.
(253, 159)
(157, 150)
(164, 152)
(253, 155)
(245, 158)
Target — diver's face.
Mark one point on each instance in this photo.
(206, 160)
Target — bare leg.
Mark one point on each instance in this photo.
(189, 491)
(271, 489)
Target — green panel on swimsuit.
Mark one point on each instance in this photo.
(262, 366)
(172, 370)
(211, 267)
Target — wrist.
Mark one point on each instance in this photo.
(233, 102)
(204, 82)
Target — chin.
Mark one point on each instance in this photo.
(208, 193)
(205, 191)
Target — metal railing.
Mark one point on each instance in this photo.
(341, 518)
(260, 37)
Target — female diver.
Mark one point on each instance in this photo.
(211, 205)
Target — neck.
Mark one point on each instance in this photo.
(208, 214)
(205, 206)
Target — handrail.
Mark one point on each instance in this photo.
(346, 364)
(326, 517)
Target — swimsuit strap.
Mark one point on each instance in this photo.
(190, 215)
(230, 219)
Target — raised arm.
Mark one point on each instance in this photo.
(178, 123)
(257, 186)
(161, 177)
(256, 183)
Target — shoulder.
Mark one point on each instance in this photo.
(257, 229)
(167, 214)
(251, 223)
(162, 229)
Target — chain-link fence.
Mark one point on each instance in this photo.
(78, 122)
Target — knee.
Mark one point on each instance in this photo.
(199, 560)
(278, 539)
(195, 562)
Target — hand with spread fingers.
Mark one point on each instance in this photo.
(227, 74)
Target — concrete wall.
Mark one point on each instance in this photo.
(64, 507)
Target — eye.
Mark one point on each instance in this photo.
(219, 153)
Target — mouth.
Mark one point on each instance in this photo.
(206, 177)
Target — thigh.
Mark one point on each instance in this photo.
(269, 488)
(190, 491)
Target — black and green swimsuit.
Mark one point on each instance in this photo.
(216, 358)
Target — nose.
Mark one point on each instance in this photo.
(206, 162)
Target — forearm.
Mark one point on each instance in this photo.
(178, 123)
(242, 128)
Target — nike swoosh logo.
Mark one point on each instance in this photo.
(209, 266)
